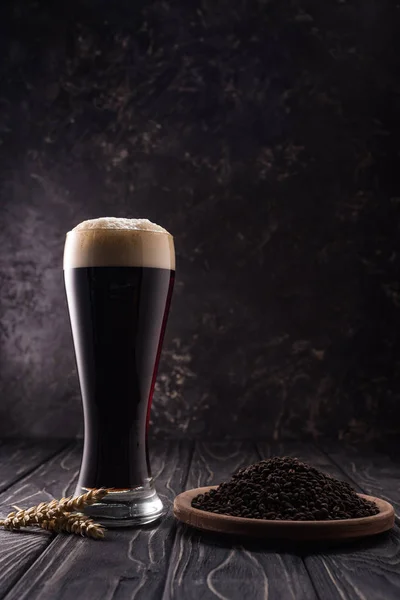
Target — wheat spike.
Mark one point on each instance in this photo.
(74, 523)
(59, 515)
(72, 503)
(31, 516)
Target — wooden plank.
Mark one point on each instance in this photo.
(129, 563)
(20, 457)
(56, 476)
(375, 472)
(365, 570)
(209, 567)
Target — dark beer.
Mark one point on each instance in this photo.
(118, 317)
(119, 276)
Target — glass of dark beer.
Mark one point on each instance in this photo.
(119, 275)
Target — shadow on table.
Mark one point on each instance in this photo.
(283, 546)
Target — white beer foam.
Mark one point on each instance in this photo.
(114, 242)
(120, 223)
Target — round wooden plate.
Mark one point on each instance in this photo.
(346, 529)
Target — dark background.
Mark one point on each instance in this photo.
(265, 136)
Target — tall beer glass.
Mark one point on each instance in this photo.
(119, 276)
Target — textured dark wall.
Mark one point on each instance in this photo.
(264, 135)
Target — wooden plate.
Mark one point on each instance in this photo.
(285, 530)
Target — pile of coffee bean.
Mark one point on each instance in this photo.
(285, 489)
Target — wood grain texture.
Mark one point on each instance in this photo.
(366, 570)
(56, 476)
(319, 531)
(129, 563)
(213, 567)
(174, 562)
(20, 457)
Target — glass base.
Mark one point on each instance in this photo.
(126, 508)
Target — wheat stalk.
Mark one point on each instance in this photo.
(59, 515)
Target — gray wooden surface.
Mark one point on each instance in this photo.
(168, 560)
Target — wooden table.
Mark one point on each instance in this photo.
(167, 560)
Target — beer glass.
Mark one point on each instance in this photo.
(119, 276)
